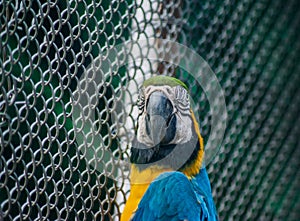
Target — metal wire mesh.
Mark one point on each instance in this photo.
(46, 46)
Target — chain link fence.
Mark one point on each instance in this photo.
(51, 170)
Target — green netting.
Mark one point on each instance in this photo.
(46, 47)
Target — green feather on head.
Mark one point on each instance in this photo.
(164, 80)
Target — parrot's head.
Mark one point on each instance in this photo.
(166, 121)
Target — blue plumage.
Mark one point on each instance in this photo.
(173, 197)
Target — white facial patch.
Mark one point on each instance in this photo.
(179, 98)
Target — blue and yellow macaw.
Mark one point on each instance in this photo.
(168, 180)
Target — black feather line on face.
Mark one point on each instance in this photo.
(143, 156)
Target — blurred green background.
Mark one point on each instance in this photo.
(252, 46)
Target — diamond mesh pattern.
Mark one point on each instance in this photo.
(46, 172)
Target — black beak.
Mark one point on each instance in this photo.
(160, 120)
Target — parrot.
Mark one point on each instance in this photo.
(169, 181)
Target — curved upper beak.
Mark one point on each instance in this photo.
(159, 116)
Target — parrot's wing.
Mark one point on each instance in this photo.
(171, 197)
(201, 186)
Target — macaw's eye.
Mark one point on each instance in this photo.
(141, 100)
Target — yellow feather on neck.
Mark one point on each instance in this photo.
(193, 169)
(140, 181)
